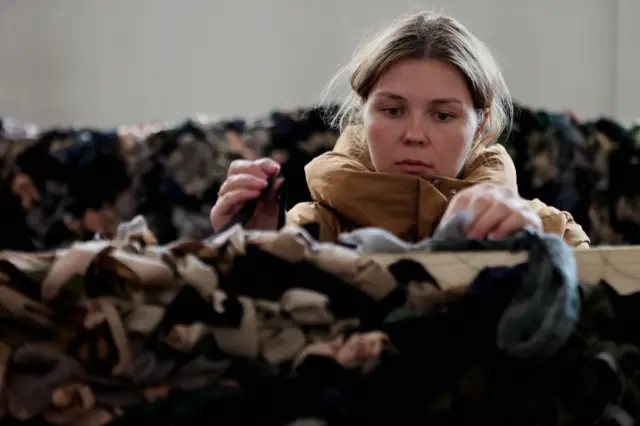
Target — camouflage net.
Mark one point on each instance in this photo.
(274, 328)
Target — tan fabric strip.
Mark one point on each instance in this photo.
(75, 261)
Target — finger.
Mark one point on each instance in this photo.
(278, 183)
(230, 202)
(335, 346)
(478, 208)
(364, 349)
(347, 354)
(270, 166)
(269, 205)
(486, 218)
(274, 195)
(247, 167)
(514, 223)
(242, 181)
(35, 194)
(378, 335)
(460, 202)
(349, 350)
(239, 166)
(375, 347)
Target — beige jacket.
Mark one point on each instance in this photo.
(348, 194)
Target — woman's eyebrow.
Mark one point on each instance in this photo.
(437, 101)
(391, 95)
(446, 101)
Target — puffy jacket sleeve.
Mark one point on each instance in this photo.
(561, 223)
(312, 212)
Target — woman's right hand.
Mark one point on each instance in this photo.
(245, 181)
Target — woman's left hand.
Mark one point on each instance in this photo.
(497, 211)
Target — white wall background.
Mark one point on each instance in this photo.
(110, 62)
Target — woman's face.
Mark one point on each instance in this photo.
(419, 119)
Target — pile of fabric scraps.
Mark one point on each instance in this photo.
(580, 167)
(62, 185)
(275, 328)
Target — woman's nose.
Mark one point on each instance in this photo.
(415, 133)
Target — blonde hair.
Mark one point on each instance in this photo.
(427, 35)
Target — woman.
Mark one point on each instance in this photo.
(427, 103)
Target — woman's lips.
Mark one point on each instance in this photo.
(413, 167)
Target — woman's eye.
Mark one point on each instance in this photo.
(442, 116)
(392, 112)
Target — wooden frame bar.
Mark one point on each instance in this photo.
(619, 266)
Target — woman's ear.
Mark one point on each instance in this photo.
(483, 116)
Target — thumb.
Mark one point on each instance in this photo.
(272, 200)
(274, 194)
